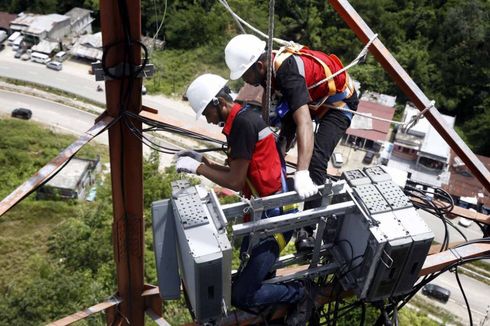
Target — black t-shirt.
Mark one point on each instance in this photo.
(244, 133)
(292, 84)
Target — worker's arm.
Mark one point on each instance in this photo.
(215, 166)
(304, 136)
(233, 177)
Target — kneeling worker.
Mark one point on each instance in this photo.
(254, 168)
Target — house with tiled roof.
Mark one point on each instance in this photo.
(464, 185)
(365, 130)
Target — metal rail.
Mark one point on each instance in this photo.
(87, 312)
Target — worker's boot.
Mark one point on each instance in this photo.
(305, 242)
(303, 310)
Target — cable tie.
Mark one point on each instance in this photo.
(456, 254)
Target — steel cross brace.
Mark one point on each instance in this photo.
(292, 221)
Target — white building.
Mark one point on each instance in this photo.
(35, 28)
(72, 182)
(421, 150)
(80, 21)
(88, 47)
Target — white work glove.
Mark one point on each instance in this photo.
(187, 164)
(195, 155)
(303, 184)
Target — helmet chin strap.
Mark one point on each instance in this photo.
(216, 104)
(258, 80)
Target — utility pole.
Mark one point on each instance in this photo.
(126, 159)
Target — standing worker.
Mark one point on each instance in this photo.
(300, 76)
(254, 168)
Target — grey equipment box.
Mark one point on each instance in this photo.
(204, 251)
(420, 233)
(164, 246)
(385, 234)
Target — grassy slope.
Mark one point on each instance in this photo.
(25, 228)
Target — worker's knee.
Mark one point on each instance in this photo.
(241, 297)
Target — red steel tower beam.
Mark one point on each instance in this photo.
(408, 86)
(126, 159)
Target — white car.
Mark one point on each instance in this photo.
(337, 160)
(465, 222)
(55, 65)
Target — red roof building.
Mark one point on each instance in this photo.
(462, 183)
(5, 19)
(374, 131)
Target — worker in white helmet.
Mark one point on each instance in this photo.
(255, 169)
(300, 76)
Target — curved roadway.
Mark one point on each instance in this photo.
(75, 79)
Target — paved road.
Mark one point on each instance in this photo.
(435, 224)
(74, 78)
(61, 117)
(477, 293)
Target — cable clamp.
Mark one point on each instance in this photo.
(456, 254)
(122, 70)
(415, 119)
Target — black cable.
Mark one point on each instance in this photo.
(159, 126)
(351, 249)
(352, 268)
(485, 240)
(363, 314)
(464, 295)
(347, 309)
(146, 141)
(395, 315)
(430, 207)
(126, 85)
(428, 279)
(157, 147)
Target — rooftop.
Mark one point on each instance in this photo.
(69, 176)
(91, 40)
(6, 19)
(462, 183)
(45, 23)
(382, 99)
(23, 21)
(371, 129)
(77, 13)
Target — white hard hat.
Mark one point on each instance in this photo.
(241, 53)
(203, 90)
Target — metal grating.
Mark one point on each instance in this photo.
(191, 211)
(177, 185)
(393, 195)
(377, 174)
(355, 177)
(372, 199)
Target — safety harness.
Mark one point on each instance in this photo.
(317, 108)
(263, 134)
